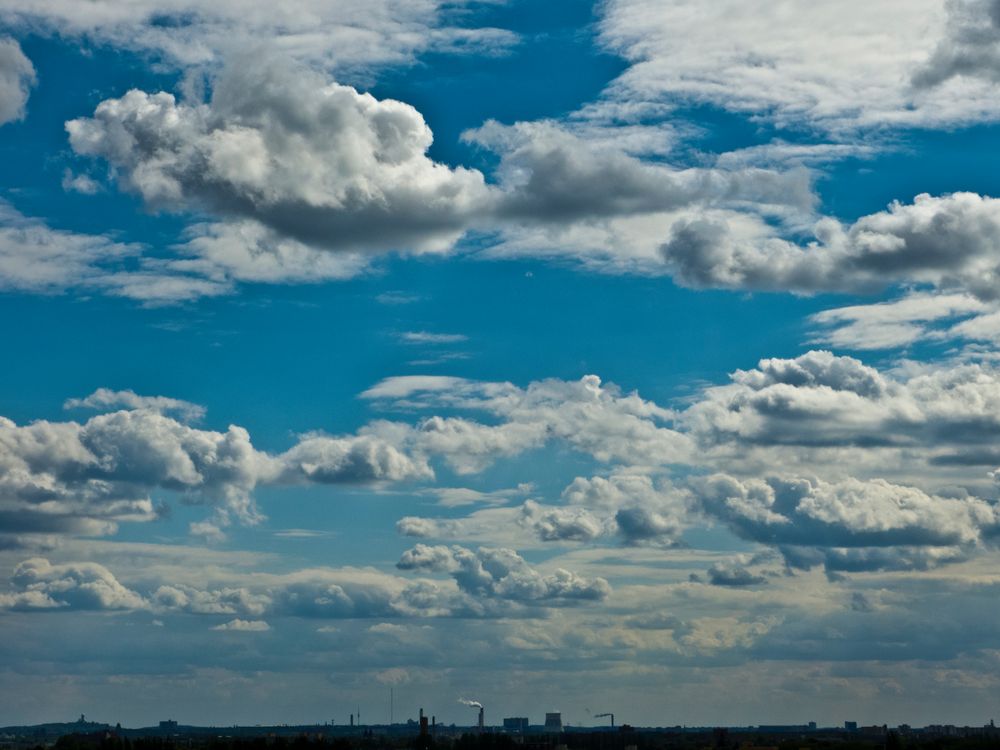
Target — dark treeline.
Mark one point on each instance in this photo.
(645, 740)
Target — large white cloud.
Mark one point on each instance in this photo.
(341, 33)
(948, 242)
(286, 147)
(79, 585)
(846, 514)
(820, 399)
(832, 67)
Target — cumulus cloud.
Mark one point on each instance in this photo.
(642, 509)
(560, 524)
(224, 601)
(17, 75)
(89, 586)
(503, 574)
(733, 574)
(358, 458)
(297, 165)
(104, 469)
(948, 242)
(820, 399)
(852, 523)
(286, 147)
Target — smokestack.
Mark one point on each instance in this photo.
(474, 704)
(352, 720)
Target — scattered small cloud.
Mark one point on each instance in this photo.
(428, 337)
(244, 626)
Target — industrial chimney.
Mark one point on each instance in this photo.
(481, 719)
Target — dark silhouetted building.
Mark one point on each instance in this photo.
(516, 724)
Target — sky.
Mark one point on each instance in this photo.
(634, 357)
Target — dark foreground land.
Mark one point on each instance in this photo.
(401, 737)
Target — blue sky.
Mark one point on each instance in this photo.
(578, 357)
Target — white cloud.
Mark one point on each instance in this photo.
(429, 337)
(284, 146)
(244, 626)
(85, 478)
(833, 67)
(405, 385)
(80, 183)
(105, 399)
(230, 600)
(887, 325)
(594, 418)
(364, 458)
(17, 76)
(948, 242)
(550, 174)
(867, 524)
(503, 574)
(343, 34)
(295, 165)
(37, 258)
(82, 585)
(248, 251)
(823, 400)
